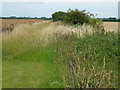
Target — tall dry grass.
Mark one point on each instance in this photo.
(22, 38)
(43, 32)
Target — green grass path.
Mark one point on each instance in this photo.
(27, 74)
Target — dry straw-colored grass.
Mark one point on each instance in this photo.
(8, 23)
(39, 30)
(22, 37)
(111, 26)
(44, 31)
(54, 28)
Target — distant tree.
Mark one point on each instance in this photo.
(58, 16)
(43, 17)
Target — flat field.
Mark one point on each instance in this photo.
(6, 23)
(111, 26)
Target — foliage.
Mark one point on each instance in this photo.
(58, 16)
(94, 21)
(75, 17)
(88, 61)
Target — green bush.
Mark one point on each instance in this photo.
(58, 16)
(77, 17)
(94, 21)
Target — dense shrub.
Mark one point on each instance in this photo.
(88, 62)
(75, 17)
(58, 16)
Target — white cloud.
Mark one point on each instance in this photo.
(59, 0)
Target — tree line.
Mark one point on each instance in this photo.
(44, 18)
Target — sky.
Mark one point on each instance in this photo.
(45, 9)
(59, 0)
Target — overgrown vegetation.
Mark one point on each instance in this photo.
(88, 60)
(58, 55)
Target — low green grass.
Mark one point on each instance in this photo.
(30, 69)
